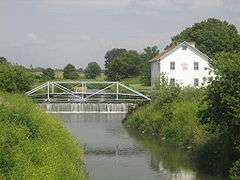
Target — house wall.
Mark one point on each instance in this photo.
(155, 72)
(184, 72)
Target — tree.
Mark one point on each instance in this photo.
(93, 70)
(3, 60)
(148, 54)
(80, 70)
(223, 113)
(122, 64)
(109, 58)
(14, 78)
(48, 74)
(223, 93)
(211, 36)
(70, 72)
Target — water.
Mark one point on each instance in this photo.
(113, 153)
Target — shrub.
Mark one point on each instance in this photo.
(172, 115)
(35, 145)
(14, 78)
(235, 170)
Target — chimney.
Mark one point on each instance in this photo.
(192, 44)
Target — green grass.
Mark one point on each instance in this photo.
(35, 145)
(136, 84)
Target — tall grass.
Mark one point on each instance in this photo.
(172, 116)
(35, 145)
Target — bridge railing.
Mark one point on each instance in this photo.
(90, 91)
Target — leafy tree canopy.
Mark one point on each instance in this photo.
(3, 60)
(93, 70)
(223, 115)
(14, 78)
(211, 36)
(148, 54)
(122, 64)
(223, 92)
(48, 74)
(70, 72)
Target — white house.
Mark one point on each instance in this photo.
(183, 64)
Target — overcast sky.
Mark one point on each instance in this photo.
(52, 33)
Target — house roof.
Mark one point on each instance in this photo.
(173, 48)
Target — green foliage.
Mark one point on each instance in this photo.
(223, 94)
(70, 72)
(223, 109)
(3, 60)
(35, 145)
(121, 64)
(93, 70)
(235, 170)
(148, 54)
(48, 74)
(110, 57)
(14, 78)
(211, 36)
(172, 115)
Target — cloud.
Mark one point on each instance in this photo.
(178, 4)
(85, 38)
(34, 39)
(99, 4)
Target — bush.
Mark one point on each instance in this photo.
(35, 145)
(172, 115)
(223, 113)
(14, 78)
(235, 170)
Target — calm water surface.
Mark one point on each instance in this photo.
(113, 153)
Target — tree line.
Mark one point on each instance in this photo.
(92, 70)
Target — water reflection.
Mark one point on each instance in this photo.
(115, 153)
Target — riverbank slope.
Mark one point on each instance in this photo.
(34, 144)
(174, 115)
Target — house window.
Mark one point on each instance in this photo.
(196, 66)
(172, 65)
(172, 80)
(196, 82)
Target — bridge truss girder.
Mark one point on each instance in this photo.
(111, 89)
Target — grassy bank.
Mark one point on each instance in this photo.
(171, 116)
(35, 145)
(174, 115)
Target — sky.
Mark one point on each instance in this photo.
(53, 33)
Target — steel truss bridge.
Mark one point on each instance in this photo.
(85, 91)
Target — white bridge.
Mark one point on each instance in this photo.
(85, 92)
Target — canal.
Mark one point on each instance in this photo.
(114, 153)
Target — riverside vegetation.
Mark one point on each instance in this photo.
(205, 121)
(35, 145)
